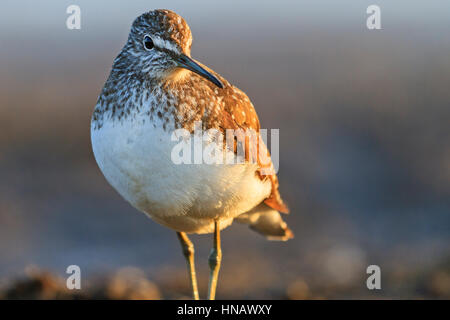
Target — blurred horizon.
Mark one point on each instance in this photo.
(364, 143)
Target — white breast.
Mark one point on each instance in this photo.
(135, 157)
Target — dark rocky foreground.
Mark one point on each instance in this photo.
(133, 284)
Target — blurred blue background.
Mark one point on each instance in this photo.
(364, 158)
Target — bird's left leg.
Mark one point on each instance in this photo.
(188, 252)
(215, 258)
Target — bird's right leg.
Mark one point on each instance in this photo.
(215, 259)
(188, 252)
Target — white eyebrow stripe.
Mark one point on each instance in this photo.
(165, 44)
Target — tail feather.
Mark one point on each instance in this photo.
(266, 221)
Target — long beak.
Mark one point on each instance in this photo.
(188, 63)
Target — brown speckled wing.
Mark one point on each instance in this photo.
(237, 112)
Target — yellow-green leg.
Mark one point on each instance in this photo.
(188, 252)
(215, 258)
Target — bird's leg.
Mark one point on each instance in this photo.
(215, 258)
(188, 252)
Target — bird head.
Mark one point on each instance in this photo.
(159, 47)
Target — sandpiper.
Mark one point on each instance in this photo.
(154, 88)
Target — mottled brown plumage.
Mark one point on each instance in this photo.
(192, 99)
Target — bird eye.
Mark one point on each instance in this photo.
(148, 43)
